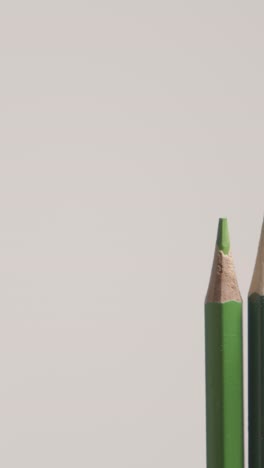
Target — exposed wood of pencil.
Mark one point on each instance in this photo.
(223, 285)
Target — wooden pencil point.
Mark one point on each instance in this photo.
(257, 283)
(223, 284)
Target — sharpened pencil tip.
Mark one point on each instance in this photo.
(223, 241)
(257, 283)
(223, 285)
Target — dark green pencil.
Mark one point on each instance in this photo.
(256, 362)
(223, 346)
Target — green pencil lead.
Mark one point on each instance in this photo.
(223, 240)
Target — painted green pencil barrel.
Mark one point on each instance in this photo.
(224, 371)
(256, 380)
(224, 386)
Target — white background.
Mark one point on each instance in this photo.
(127, 129)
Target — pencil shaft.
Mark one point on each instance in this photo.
(224, 386)
(256, 380)
(224, 373)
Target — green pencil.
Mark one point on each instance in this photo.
(223, 347)
(256, 362)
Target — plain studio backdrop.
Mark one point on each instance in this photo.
(127, 129)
